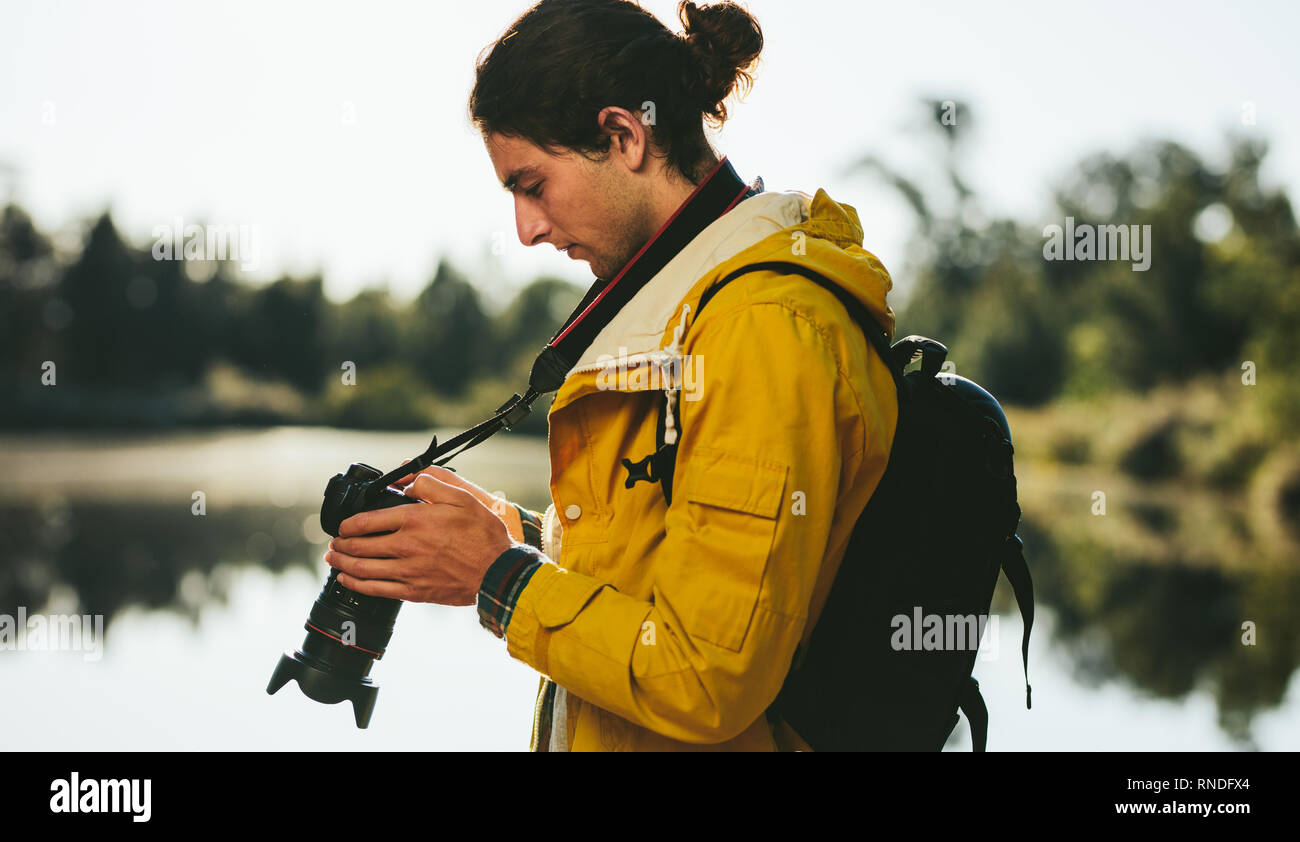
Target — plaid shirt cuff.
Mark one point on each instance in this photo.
(532, 524)
(502, 585)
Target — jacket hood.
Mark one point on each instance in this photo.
(826, 236)
(833, 246)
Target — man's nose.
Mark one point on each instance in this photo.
(530, 223)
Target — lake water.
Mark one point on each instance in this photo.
(1136, 644)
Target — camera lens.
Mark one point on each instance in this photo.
(346, 631)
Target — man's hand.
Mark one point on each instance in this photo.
(436, 552)
(503, 508)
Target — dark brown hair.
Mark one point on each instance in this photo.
(563, 61)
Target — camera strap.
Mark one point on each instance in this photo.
(720, 191)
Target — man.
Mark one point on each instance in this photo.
(657, 625)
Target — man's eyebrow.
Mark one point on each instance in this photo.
(512, 181)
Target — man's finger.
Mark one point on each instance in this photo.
(450, 477)
(379, 520)
(375, 587)
(430, 489)
(367, 546)
(443, 472)
(362, 568)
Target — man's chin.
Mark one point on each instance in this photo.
(601, 271)
(603, 266)
(605, 269)
(580, 257)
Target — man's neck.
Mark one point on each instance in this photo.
(674, 191)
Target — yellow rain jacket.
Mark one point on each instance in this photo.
(673, 628)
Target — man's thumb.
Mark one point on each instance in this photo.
(450, 477)
(432, 489)
(451, 483)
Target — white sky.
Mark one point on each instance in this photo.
(231, 113)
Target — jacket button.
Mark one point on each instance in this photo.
(573, 511)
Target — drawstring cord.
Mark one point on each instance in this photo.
(672, 352)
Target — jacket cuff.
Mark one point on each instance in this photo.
(532, 524)
(504, 581)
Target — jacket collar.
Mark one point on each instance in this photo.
(648, 330)
(715, 195)
(640, 326)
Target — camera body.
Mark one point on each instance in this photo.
(353, 492)
(346, 631)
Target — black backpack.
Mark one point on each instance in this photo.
(930, 543)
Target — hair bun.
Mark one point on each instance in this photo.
(724, 41)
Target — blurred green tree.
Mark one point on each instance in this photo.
(1220, 288)
(449, 339)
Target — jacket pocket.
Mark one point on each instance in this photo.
(564, 596)
(732, 504)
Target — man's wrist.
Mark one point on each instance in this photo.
(532, 526)
(502, 584)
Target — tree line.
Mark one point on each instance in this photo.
(139, 341)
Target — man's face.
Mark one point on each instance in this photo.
(593, 209)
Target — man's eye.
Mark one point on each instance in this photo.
(535, 191)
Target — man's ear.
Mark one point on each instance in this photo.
(629, 138)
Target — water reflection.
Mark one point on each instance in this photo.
(1172, 596)
(111, 555)
(1152, 596)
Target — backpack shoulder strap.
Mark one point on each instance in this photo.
(857, 310)
(971, 703)
(1022, 585)
(666, 454)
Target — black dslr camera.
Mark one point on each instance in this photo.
(347, 631)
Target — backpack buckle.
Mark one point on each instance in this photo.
(642, 469)
(652, 468)
(912, 348)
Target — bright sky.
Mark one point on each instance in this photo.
(339, 131)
